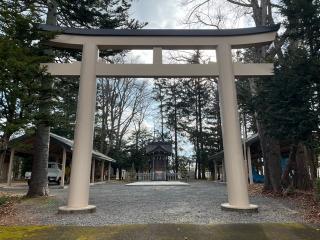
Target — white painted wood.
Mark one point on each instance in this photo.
(237, 185)
(157, 55)
(83, 140)
(160, 70)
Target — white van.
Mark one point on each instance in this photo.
(54, 173)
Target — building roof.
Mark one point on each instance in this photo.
(153, 147)
(218, 157)
(162, 32)
(69, 143)
(63, 141)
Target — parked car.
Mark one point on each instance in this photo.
(54, 173)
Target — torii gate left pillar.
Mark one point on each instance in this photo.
(221, 40)
(81, 158)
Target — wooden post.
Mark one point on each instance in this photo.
(102, 171)
(153, 168)
(117, 174)
(93, 169)
(64, 159)
(224, 177)
(109, 171)
(215, 170)
(9, 176)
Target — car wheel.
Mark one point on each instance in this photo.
(59, 181)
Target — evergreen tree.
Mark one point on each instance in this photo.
(291, 98)
(288, 113)
(21, 75)
(90, 14)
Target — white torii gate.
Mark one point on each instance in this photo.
(91, 40)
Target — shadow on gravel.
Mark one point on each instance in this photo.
(165, 231)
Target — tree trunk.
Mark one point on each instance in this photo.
(285, 178)
(196, 169)
(297, 166)
(4, 147)
(2, 157)
(312, 161)
(274, 165)
(271, 159)
(302, 174)
(39, 177)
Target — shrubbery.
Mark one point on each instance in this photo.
(3, 200)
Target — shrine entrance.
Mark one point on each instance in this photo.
(222, 41)
(158, 153)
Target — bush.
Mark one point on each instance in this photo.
(3, 200)
(317, 188)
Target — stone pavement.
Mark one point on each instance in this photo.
(117, 203)
(158, 183)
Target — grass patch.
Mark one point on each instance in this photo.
(19, 233)
(3, 200)
(165, 232)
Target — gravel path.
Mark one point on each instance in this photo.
(198, 203)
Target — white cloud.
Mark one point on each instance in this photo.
(162, 14)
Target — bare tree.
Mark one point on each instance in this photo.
(261, 12)
(122, 103)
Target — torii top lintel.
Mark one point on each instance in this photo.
(163, 38)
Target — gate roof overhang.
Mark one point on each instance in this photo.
(158, 40)
(164, 38)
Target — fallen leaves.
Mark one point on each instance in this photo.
(303, 201)
(7, 206)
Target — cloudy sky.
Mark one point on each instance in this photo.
(159, 13)
(172, 13)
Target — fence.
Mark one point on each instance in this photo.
(158, 176)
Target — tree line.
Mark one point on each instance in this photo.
(283, 109)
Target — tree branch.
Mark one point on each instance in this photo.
(240, 3)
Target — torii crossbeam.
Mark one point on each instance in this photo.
(91, 40)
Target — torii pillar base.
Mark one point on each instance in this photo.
(69, 210)
(251, 208)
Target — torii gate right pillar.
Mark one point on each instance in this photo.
(237, 185)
